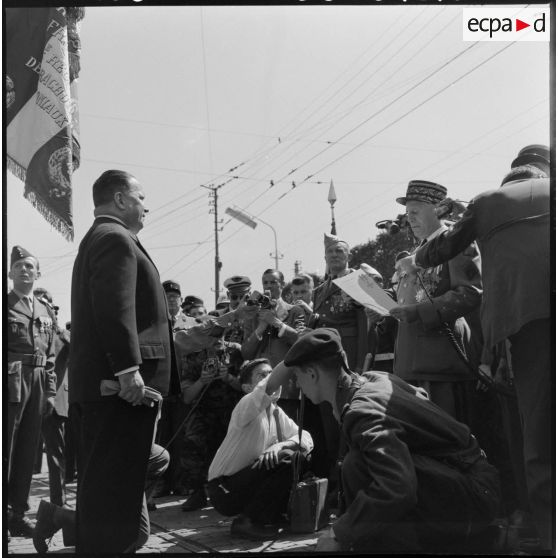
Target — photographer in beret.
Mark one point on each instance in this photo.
(31, 383)
(512, 226)
(413, 478)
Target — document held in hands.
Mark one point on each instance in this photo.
(364, 289)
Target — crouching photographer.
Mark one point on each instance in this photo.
(210, 390)
(251, 473)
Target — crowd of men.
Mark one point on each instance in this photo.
(151, 394)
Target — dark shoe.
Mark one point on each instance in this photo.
(20, 527)
(179, 491)
(45, 527)
(151, 505)
(160, 490)
(243, 528)
(195, 501)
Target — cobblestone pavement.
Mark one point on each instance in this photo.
(172, 530)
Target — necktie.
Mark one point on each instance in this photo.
(27, 303)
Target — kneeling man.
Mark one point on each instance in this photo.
(251, 473)
(413, 478)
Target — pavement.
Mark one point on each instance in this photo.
(172, 530)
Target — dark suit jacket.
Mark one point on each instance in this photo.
(512, 227)
(119, 314)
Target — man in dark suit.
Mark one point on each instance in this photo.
(120, 333)
(512, 226)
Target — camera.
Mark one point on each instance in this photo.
(395, 225)
(264, 300)
(212, 365)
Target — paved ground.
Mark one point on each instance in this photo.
(172, 530)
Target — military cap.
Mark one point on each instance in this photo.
(535, 153)
(331, 240)
(237, 283)
(424, 191)
(403, 254)
(191, 301)
(172, 287)
(222, 301)
(315, 345)
(19, 253)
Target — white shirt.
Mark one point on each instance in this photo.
(252, 430)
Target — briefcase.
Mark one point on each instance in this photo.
(307, 505)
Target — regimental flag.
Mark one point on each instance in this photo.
(42, 128)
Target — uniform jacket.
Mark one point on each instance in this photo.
(422, 349)
(120, 316)
(386, 425)
(30, 332)
(338, 310)
(512, 228)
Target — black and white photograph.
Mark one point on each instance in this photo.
(279, 278)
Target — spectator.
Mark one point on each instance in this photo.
(193, 306)
(272, 332)
(31, 383)
(173, 410)
(251, 473)
(210, 390)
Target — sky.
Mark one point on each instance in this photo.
(240, 97)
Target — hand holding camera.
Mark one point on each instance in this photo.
(210, 370)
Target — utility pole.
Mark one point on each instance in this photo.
(214, 196)
(297, 265)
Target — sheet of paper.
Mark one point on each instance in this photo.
(365, 290)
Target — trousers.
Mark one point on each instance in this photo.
(23, 435)
(530, 355)
(260, 494)
(115, 441)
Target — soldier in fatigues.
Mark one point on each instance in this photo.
(31, 380)
(211, 392)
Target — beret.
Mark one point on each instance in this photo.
(315, 345)
(237, 282)
(171, 287)
(424, 191)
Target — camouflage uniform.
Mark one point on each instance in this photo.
(207, 426)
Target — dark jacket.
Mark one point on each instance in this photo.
(512, 228)
(119, 314)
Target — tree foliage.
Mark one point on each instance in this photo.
(380, 253)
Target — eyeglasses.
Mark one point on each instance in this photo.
(237, 296)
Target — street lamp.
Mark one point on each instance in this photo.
(239, 215)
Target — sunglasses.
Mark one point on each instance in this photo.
(237, 296)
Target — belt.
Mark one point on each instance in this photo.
(29, 359)
(384, 356)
